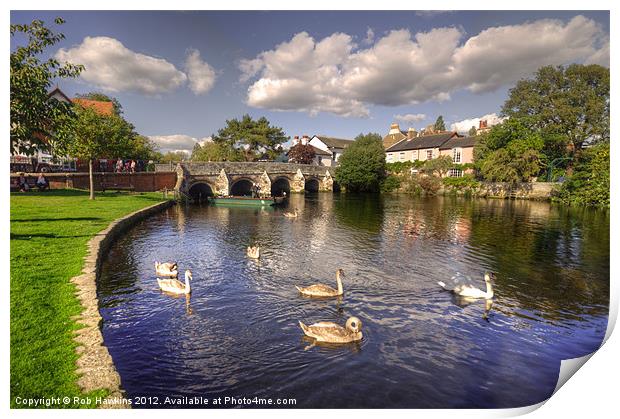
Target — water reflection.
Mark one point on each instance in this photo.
(239, 335)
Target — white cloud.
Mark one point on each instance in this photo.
(410, 117)
(466, 124)
(177, 142)
(370, 37)
(333, 75)
(200, 74)
(111, 66)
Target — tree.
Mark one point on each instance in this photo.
(472, 131)
(252, 137)
(438, 166)
(90, 135)
(440, 125)
(174, 156)
(212, 151)
(301, 153)
(102, 97)
(34, 116)
(566, 105)
(362, 165)
(142, 148)
(590, 183)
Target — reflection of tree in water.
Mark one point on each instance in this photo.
(538, 252)
(363, 211)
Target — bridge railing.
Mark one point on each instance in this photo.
(250, 168)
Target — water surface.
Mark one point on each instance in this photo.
(238, 333)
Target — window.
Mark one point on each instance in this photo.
(389, 157)
(456, 155)
(402, 156)
(455, 173)
(429, 154)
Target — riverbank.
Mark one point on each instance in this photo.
(49, 233)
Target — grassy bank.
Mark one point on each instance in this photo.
(49, 233)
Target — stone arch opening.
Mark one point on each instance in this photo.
(200, 191)
(242, 187)
(312, 185)
(280, 186)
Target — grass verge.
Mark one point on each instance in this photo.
(49, 233)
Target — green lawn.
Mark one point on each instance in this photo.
(49, 232)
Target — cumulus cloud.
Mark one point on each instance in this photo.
(111, 66)
(200, 74)
(177, 142)
(334, 75)
(410, 118)
(466, 124)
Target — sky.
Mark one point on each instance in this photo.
(180, 75)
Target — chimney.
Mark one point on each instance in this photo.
(296, 140)
(394, 129)
(483, 124)
(411, 133)
(304, 140)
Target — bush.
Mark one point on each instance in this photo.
(390, 183)
(429, 184)
(590, 182)
(362, 165)
(464, 182)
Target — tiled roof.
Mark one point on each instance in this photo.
(102, 108)
(335, 142)
(391, 139)
(426, 141)
(459, 142)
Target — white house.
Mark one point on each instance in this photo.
(332, 146)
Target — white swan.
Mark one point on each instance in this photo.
(167, 269)
(253, 252)
(469, 291)
(321, 290)
(175, 286)
(293, 214)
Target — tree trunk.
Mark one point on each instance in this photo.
(90, 179)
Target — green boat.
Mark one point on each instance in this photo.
(243, 200)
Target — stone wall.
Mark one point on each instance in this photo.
(525, 190)
(244, 168)
(141, 182)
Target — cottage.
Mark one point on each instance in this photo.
(461, 149)
(330, 145)
(394, 136)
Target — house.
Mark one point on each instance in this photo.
(320, 156)
(101, 107)
(331, 148)
(426, 147)
(393, 136)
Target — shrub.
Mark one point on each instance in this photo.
(390, 183)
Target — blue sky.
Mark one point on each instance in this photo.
(180, 75)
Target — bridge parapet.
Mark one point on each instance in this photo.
(245, 168)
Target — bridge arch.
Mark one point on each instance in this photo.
(199, 191)
(280, 185)
(312, 184)
(242, 187)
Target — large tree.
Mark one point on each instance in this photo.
(91, 135)
(566, 105)
(301, 153)
(212, 151)
(362, 165)
(35, 116)
(253, 137)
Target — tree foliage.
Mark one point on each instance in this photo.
(590, 183)
(174, 157)
(301, 153)
(472, 131)
(438, 166)
(253, 137)
(440, 125)
(35, 116)
(569, 105)
(212, 151)
(362, 165)
(142, 148)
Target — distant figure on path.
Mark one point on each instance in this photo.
(119, 166)
(23, 183)
(133, 166)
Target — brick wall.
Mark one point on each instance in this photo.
(141, 182)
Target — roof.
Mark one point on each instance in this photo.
(320, 152)
(102, 108)
(334, 142)
(425, 141)
(459, 142)
(391, 139)
(57, 91)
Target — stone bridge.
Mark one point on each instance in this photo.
(199, 180)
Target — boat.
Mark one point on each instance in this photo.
(242, 200)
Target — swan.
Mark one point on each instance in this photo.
(293, 214)
(253, 252)
(320, 290)
(328, 332)
(469, 291)
(167, 269)
(175, 286)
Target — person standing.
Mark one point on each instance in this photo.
(133, 166)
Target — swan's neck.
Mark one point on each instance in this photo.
(489, 290)
(339, 282)
(187, 286)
